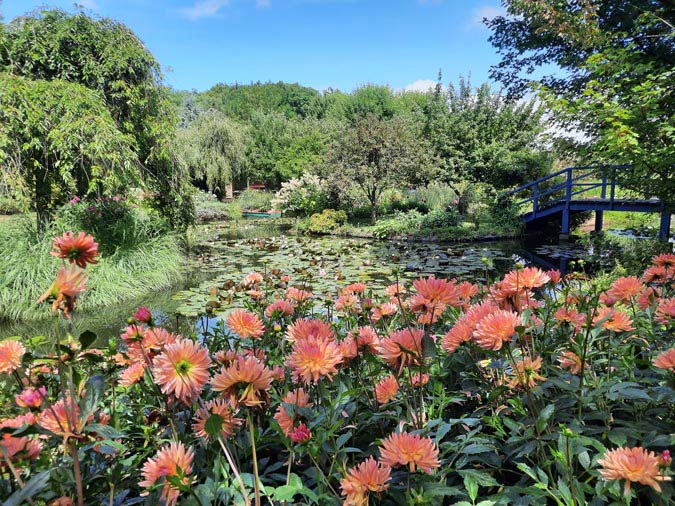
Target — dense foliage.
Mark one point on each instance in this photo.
(103, 56)
(535, 390)
(617, 85)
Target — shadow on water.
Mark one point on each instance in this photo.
(228, 251)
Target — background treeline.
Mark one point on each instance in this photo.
(361, 143)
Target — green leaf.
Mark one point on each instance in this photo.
(545, 416)
(87, 338)
(30, 490)
(471, 487)
(94, 391)
(285, 493)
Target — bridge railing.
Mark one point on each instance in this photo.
(567, 183)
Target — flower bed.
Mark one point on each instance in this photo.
(533, 390)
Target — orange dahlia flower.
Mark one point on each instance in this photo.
(648, 297)
(11, 354)
(529, 278)
(658, 274)
(571, 316)
(354, 288)
(298, 399)
(666, 360)
(402, 348)
(298, 295)
(246, 381)
(635, 465)
(664, 260)
(79, 249)
(279, 308)
(168, 461)
(30, 397)
(132, 374)
(438, 290)
(526, 373)
(665, 311)
(395, 290)
(386, 390)
(367, 339)
(458, 334)
(309, 329)
(410, 450)
(368, 476)
(62, 418)
(252, 279)
(313, 358)
(216, 408)
(382, 310)
(615, 320)
(18, 448)
(627, 288)
(348, 303)
(495, 329)
(571, 361)
(69, 283)
(182, 369)
(245, 324)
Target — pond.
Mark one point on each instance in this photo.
(226, 252)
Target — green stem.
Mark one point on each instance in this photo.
(255, 459)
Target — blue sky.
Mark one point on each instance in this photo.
(318, 43)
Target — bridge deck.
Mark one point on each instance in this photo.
(556, 196)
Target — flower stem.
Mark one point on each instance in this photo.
(255, 459)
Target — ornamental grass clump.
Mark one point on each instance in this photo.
(536, 388)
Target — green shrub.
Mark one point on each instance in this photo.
(440, 218)
(259, 200)
(114, 222)
(400, 223)
(327, 220)
(9, 205)
(433, 196)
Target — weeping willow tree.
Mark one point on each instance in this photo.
(58, 139)
(213, 150)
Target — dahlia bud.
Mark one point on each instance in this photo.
(300, 434)
(665, 459)
(143, 315)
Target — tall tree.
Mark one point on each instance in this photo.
(614, 83)
(376, 154)
(481, 136)
(213, 150)
(59, 138)
(105, 56)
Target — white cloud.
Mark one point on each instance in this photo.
(486, 11)
(421, 85)
(204, 9)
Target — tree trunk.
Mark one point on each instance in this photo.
(373, 214)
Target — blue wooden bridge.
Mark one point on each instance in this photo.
(558, 196)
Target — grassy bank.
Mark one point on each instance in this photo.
(27, 270)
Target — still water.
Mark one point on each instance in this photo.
(225, 252)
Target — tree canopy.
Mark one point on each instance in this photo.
(103, 55)
(614, 83)
(60, 140)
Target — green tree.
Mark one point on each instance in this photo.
(617, 80)
(105, 56)
(60, 139)
(375, 154)
(213, 150)
(480, 136)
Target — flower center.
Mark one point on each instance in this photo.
(183, 367)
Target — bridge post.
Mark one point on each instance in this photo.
(565, 232)
(664, 229)
(599, 218)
